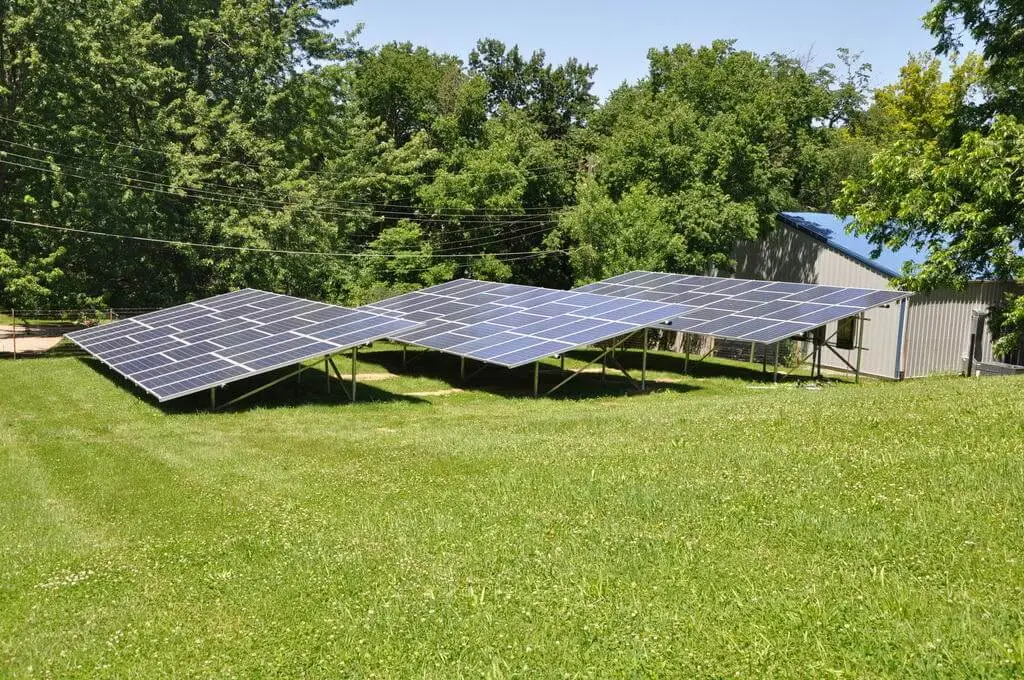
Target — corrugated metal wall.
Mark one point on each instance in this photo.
(790, 255)
(940, 326)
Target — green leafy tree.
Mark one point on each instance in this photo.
(700, 154)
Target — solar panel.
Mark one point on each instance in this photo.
(744, 309)
(512, 325)
(192, 347)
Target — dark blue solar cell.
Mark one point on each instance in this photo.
(480, 298)
(554, 309)
(469, 287)
(327, 313)
(282, 325)
(532, 298)
(676, 288)
(784, 287)
(152, 334)
(172, 376)
(430, 329)
(256, 344)
(770, 308)
(195, 323)
(875, 298)
(111, 344)
(139, 351)
(702, 280)
(269, 350)
(107, 331)
(564, 330)
(244, 310)
(758, 296)
(703, 300)
(160, 317)
(716, 326)
(842, 296)
(450, 308)
(823, 316)
(273, 302)
(598, 333)
(812, 293)
(614, 309)
(481, 343)
(288, 311)
(680, 323)
(532, 353)
(744, 327)
(192, 350)
(242, 338)
(703, 314)
(644, 279)
(723, 286)
(779, 331)
(796, 311)
(201, 382)
(655, 314)
(422, 316)
(218, 329)
(652, 295)
(516, 319)
(234, 299)
(359, 336)
(292, 355)
(142, 363)
(155, 373)
(587, 300)
(601, 288)
(626, 278)
(733, 305)
(542, 328)
(517, 344)
(482, 330)
(444, 341)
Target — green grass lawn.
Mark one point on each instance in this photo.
(705, 529)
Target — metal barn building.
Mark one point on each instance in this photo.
(931, 333)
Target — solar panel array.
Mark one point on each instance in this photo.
(512, 325)
(195, 346)
(744, 309)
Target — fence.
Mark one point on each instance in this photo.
(25, 332)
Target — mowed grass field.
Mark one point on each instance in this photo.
(715, 527)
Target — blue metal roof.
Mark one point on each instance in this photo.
(831, 229)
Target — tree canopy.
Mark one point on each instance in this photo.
(946, 177)
(159, 150)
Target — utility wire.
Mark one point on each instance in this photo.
(277, 251)
(564, 165)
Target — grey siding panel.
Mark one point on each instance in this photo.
(787, 254)
(940, 327)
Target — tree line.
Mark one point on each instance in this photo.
(159, 150)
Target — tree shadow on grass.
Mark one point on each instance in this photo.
(310, 388)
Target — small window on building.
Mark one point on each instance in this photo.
(846, 334)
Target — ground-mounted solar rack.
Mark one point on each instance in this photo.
(512, 325)
(205, 345)
(765, 312)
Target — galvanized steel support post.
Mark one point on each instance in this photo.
(536, 378)
(860, 345)
(643, 364)
(355, 360)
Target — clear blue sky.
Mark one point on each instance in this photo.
(615, 36)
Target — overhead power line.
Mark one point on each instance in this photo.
(279, 251)
(547, 170)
